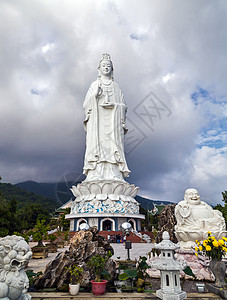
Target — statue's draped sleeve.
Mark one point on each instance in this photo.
(120, 129)
(182, 211)
(91, 126)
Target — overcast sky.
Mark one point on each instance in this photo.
(170, 61)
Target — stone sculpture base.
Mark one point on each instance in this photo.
(199, 265)
(99, 201)
(104, 196)
(166, 296)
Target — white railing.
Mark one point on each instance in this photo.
(144, 236)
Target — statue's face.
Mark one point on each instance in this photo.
(106, 67)
(192, 195)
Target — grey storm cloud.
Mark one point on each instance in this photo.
(49, 54)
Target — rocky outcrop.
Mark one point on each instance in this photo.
(167, 221)
(83, 245)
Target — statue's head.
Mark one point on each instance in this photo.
(105, 66)
(14, 253)
(192, 196)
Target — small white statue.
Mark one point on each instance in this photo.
(14, 254)
(105, 114)
(195, 218)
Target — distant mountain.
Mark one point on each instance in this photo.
(43, 189)
(148, 204)
(9, 191)
(60, 192)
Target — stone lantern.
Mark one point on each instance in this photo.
(126, 227)
(170, 270)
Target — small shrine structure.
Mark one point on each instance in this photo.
(169, 269)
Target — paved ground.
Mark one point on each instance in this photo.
(138, 249)
(38, 265)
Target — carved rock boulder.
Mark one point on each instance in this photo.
(167, 221)
(83, 246)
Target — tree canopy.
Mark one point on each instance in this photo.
(20, 210)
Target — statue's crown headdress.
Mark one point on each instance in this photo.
(106, 56)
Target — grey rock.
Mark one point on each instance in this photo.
(83, 245)
(167, 221)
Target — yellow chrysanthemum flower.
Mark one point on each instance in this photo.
(221, 242)
(208, 248)
(225, 249)
(196, 248)
(200, 248)
(209, 233)
(213, 238)
(204, 243)
(196, 254)
(224, 238)
(215, 243)
(196, 241)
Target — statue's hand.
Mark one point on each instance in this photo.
(97, 91)
(108, 105)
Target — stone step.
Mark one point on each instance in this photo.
(115, 296)
(132, 237)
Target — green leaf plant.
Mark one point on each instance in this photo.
(138, 275)
(76, 274)
(97, 264)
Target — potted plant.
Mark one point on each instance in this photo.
(97, 264)
(66, 237)
(40, 230)
(215, 250)
(76, 273)
(52, 247)
(60, 242)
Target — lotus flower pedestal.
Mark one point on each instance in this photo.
(100, 201)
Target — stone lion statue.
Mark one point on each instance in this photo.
(14, 254)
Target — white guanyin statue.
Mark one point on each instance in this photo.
(195, 218)
(105, 114)
(105, 190)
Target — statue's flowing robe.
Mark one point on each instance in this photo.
(105, 128)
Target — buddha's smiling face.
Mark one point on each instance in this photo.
(192, 195)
